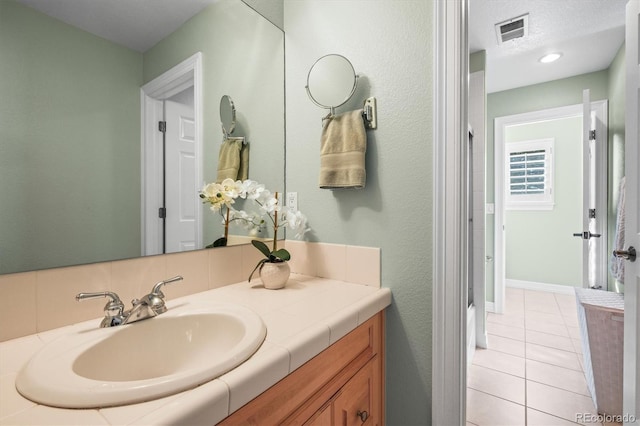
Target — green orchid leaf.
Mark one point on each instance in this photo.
(282, 254)
(262, 247)
(262, 261)
(220, 242)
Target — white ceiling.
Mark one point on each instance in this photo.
(589, 33)
(136, 24)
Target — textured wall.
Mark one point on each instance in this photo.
(69, 144)
(390, 46)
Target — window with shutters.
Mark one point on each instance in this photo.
(529, 175)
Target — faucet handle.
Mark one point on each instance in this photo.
(113, 310)
(156, 288)
(155, 299)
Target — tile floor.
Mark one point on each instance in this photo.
(532, 372)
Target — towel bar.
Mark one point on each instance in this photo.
(235, 138)
(369, 114)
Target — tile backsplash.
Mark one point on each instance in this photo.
(42, 300)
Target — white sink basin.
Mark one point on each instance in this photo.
(175, 351)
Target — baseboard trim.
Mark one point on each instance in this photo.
(531, 285)
(489, 307)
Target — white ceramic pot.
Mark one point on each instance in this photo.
(274, 275)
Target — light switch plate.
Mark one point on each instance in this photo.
(292, 200)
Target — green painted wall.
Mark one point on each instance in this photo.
(616, 146)
(537, 97)
(243, 57)
(477, 61)
(69, 144)
(539, 243)
(394, 211)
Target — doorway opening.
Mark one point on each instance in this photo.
(576, 190)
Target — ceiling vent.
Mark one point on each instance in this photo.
(512, 28)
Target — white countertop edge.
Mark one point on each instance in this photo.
(220, 397)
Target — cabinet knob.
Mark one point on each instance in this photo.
(363, 415)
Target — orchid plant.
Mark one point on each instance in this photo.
(222, 195)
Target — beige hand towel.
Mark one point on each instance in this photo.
(233, 160)
(342, 151)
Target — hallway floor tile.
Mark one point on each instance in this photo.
(532, 373)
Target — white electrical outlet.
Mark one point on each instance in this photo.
(292, 200)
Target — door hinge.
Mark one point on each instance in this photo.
(162, 213)
(592, 213)
(162, 126)
(592, 135)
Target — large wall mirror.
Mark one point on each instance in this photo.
(70, 119)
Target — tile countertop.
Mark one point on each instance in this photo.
(302, 320)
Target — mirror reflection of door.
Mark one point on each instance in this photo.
(180, 173)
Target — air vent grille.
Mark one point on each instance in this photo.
(512, 28)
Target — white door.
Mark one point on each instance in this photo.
(594, 272)
(181, 191)
(631, 401)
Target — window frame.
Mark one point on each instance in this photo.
(530, 201)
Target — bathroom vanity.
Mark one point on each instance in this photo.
(342, 385)
(320, 363)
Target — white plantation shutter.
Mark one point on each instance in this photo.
(529, 175)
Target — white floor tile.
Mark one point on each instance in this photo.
(538, 418)
(532, 317)
(516, 333)
(553, 356)
(558, 402)
(549, 340)
(484, 409)
(545, 357)
(506, 345)
(499, 361)
(559, 377)
(509, 319)
(545, 327)
(496, 383)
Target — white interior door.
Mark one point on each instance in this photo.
(181, 191)
(631, 401)
(593, 210)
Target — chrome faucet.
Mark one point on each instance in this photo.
(148, 306)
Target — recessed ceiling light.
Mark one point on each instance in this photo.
(551, 57)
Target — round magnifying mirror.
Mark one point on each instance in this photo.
(331, 81)
(227, 115)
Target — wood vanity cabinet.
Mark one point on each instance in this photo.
(343, 385)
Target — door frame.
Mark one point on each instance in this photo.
(183, 75)
(500, 124)
(450, 130)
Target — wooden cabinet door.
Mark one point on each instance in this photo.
(324, 416)
(354, 404)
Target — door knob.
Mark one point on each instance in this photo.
(628, 254)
